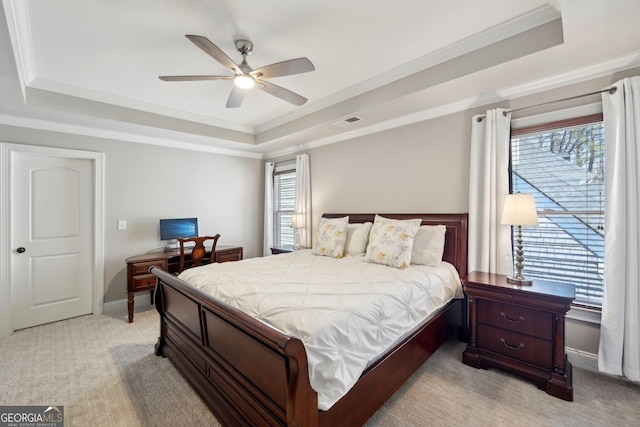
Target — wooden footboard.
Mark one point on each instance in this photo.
(247, 373)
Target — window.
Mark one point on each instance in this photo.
(284, 193)
(562, 165)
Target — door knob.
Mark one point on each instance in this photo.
(20, 250)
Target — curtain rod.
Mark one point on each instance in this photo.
(611, 91)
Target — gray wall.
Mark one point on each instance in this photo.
(144, 183)
(409, 169)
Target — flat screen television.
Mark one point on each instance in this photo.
(172, 229)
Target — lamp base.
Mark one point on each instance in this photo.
(522, 281)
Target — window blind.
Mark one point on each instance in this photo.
(562, 165)
(284, 193)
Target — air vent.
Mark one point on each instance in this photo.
(347, 121)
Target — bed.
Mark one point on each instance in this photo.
(250, 373)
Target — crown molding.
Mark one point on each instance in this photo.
(17, 16)
(548, 83)
(202, 143)
(79, 92)
(141, 134)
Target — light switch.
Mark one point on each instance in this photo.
(122, 224)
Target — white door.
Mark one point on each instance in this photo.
(51, 237)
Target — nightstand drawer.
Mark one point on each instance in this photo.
(517, 346)
(144, 281)
(515, 318)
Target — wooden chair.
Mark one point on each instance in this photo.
(198, 252)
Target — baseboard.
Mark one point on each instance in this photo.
(121, 304)
(582, 359)
(589, 362)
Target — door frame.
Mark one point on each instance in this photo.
(98, 160)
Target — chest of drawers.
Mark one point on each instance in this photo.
(519, 329)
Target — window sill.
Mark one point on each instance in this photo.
(584, 314)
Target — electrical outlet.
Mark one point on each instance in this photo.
(122, 224)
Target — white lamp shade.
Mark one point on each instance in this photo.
(519, 209)
(297, 220)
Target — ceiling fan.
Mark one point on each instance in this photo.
(244, 76)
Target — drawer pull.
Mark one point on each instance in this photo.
(512, 347)
(504, 316)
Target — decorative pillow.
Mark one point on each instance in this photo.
(391, 240)
(428, 245)
(357, 238)
(331, 237)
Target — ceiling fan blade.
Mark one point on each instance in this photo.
(193, 78)
(235, 97)
(284, 68)
(282, 93)
(215, 52)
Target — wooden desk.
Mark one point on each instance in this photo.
(139, 279)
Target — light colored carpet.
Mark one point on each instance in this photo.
(102, 369)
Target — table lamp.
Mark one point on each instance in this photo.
(519, 209)
(297, 222)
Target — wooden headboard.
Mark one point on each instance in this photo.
(455, 245)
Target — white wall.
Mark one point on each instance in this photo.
(144, 183)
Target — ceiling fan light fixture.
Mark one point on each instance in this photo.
(244, 77)
(244, 81)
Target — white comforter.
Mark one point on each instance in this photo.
(347, 312)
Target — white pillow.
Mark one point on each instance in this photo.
(331, 237)
(391, 240)
(357, 238)
(428, 245)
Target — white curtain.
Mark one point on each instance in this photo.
(619, 350)
(303, 198)
(489, 241)
(268, 208)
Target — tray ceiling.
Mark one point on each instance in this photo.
(94, 65)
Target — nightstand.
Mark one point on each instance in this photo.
(520, 329)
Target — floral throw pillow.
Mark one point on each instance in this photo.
(331, 237)
(391, 241)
